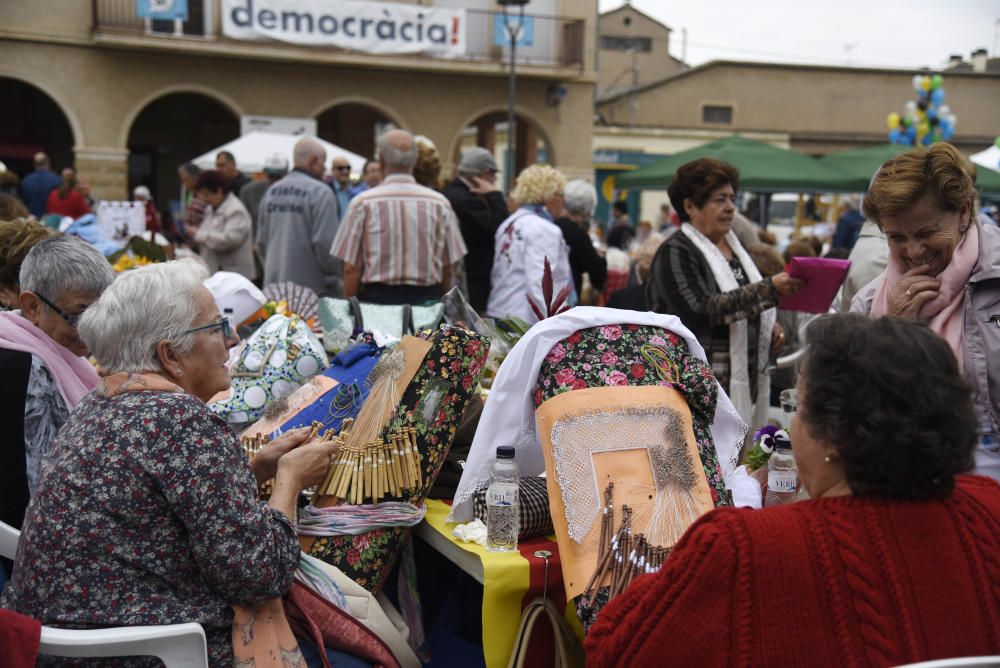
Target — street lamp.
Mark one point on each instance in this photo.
(513, 26)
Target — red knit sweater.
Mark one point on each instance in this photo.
(830, 582)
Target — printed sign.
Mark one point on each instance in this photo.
(525, 33)
(281, 124)
(373, 27)
(162, 10)
(120, 221)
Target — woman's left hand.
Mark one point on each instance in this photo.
(777, 338)
(265, 463)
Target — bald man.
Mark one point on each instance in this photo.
(298, 222)
(36, 186)
(399, 242)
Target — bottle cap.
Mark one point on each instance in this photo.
(505, 452)
(781, 442)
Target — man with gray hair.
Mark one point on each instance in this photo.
(481, 208)
(400, 241)
(578, 210)
(42, 360)
(297, 222)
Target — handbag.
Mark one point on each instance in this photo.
(342, 319)
(568, 652)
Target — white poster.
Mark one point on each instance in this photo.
(120, 221)
(284, 125)
(373, 27)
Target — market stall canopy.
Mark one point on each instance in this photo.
(989, 158)
(861, 163)
(762, 167)
(253, 148)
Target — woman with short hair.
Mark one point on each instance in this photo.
(148, 512)
(524, 241)
(42, 357)
(578, 211)
(224, 236)
(66, 200)
(704, 276)
(893, 560)
(944, 269)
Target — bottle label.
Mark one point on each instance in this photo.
(782, 481)
(501, 495)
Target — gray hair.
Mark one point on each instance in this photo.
(581, 198)
(305, 150)
(143, 307)
(392, 155)
(60, 265)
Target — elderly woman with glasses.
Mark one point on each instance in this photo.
(42, 359)
(148, 511)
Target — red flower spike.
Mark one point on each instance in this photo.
(534, 307)
(547, 284)
(557, 305)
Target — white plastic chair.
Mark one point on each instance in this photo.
(962, 662)
(174, 644)
(8, 540)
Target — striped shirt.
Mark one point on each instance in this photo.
(399, 233)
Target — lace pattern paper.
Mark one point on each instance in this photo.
(660, 431)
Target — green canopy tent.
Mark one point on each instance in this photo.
(763, 168)
(861, 163)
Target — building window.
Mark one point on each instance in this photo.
(613, 43)
(197, 23)
(717, 114)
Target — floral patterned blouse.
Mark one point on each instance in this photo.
(147, 513)
(611, 355)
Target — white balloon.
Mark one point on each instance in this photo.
(917, 81)
(944, 110)
(911, 106)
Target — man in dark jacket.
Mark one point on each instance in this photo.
(36, 186)
(480, 208)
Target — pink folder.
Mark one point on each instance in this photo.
(823, 277)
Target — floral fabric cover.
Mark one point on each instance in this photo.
(275, 361)
(611, 355)
(432, 404)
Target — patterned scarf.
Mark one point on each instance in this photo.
(261, 635)
(740, 375)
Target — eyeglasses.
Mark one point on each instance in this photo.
(223, 324)
(343, 168)
(71, 320)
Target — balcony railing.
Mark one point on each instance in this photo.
(558, 41)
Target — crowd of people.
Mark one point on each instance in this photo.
(892, 558)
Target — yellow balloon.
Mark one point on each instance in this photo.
(926, 83)
(892, 120)
(608, 187)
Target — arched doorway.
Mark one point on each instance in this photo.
(168, 132)
(490, 131)
(354, 126)
(31, 121)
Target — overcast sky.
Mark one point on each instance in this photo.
(895, 33)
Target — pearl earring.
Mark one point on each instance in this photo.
(827, 459)
(178, 371)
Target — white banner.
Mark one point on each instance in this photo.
(280, 124)
(374, 27)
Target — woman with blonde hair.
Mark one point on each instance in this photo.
(944, 270)
(524, 242)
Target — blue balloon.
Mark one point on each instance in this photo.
(931, 112)
(947, 132)
(911, 133)
(927, 139)
(894, 136)
(937, 96)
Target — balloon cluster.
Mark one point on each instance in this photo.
(926, 119)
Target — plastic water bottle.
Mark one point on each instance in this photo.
(503, 511)
(782, 474)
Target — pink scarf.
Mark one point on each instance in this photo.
(944, 313)
(74, 376)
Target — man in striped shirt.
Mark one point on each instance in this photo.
(400, 241)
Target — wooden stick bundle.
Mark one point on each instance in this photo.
(622, 556)
(375, 470)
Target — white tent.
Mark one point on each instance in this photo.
(989, 158)
(253, 148)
